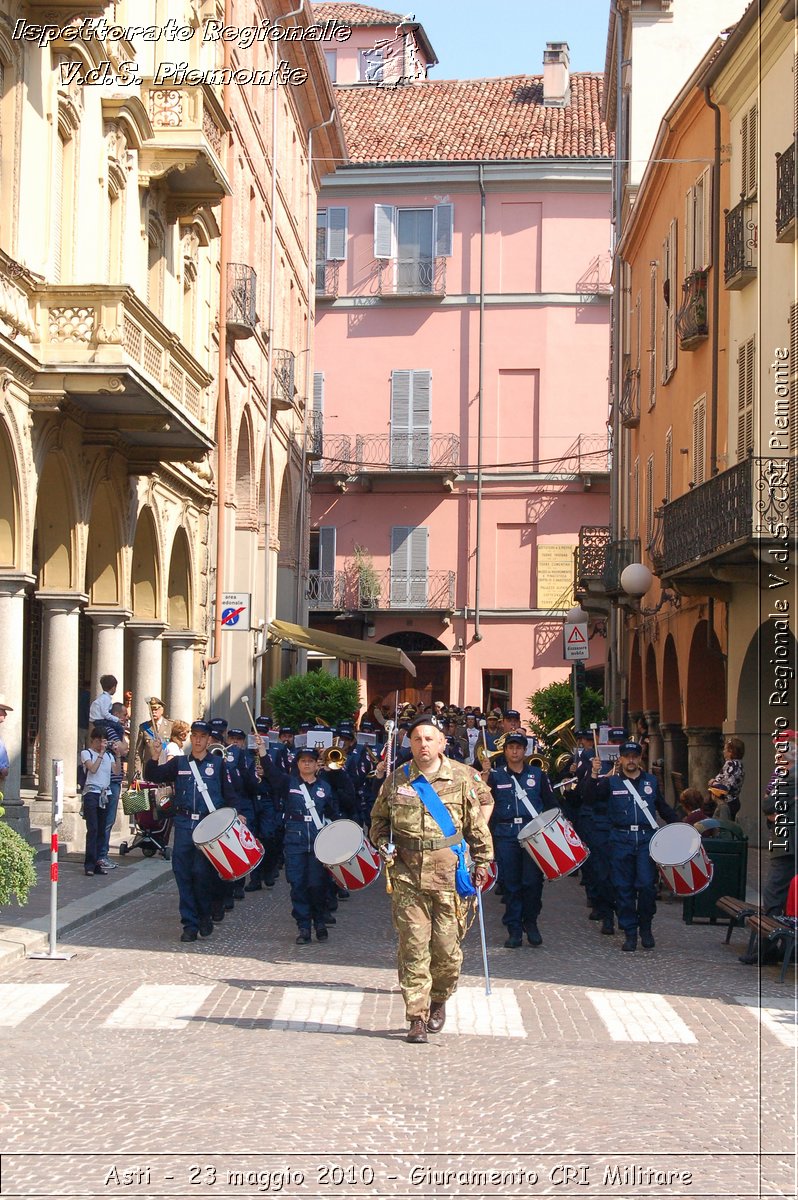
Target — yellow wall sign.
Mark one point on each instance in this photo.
(555, 576)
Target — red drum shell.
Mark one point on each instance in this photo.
(227, 843)
(344, 850)
(554, 844)
(681, 859)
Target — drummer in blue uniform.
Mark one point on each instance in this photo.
(268, 821)
(520, 792)
(198, 885)
(284, 755)
(633, 799)
(306, 803)
(241, 771)
(592, 823)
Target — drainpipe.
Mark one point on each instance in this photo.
(480, 405)
(304, 489)
(715, 336)
(267, 530)
(221, 401)
(616, 625)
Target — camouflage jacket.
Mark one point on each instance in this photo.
(423, 860)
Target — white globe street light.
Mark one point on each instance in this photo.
(636, 579)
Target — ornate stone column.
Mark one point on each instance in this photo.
(674, 754)
(12, 639)
(58, 721)
(147, 668)
(108, 646)
(703, 753)
(180, 696)
(654, 737)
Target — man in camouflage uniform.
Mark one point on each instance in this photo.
(428, 914)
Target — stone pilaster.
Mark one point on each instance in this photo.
(12, 614)
(655, 750)
(703, 753)
(674, 754)
(147, 668)
(108, 646)
(180, 699)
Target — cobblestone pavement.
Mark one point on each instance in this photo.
(244, 1065)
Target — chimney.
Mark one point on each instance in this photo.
(556, 79)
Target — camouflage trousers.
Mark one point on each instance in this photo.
(430, 926)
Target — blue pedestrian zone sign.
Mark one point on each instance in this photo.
(236, 611)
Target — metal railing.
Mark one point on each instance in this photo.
(590, 552)
(692, 324)
(363, 453)
(589, 454)
(739, 262)
(753, 500)
(242, 288)
(630, 398)
(327, 279)
(283, 377)
(314, 434)
(411, 277)
(326, 591)
(617, 556)
(785, 194)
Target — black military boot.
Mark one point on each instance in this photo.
(646, 937)
(630, 942)
(533, 934)
(608, 926)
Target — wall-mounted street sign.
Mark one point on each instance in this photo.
(575, 642)
(236, 607)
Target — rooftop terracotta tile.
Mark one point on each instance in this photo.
(355, 14)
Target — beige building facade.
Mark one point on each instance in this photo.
(125, 207)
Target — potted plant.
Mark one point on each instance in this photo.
(17, 872)
(368, 581)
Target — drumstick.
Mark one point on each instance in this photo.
(593, 730)
(245, 702)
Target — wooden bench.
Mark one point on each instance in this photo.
(738, 910)
(770, 931)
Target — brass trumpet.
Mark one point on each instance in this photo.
(333, 759)
(219, 751)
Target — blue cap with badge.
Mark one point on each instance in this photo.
(304, 751)
(200, 727)
(631, 748)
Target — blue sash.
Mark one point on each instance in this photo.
(439, 813)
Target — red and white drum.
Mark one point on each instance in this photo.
(681, 858)
(493, 875)
(343, 848)
(554, 844)
(228, 843)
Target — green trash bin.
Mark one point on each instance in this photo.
(726, 846)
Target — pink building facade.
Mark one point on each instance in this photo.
(460, 366)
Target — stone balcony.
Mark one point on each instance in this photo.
(343, 591)
(186, 149)
(102, 350)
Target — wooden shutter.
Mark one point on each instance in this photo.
(318, 391)
(689, 230)
(400, 565)
(384, 231)
(336, 234)
(634, 513)
(748, 144)
(420, 418)
(699, 440)
(401, 387)
(444, 230)
(652, 338)
(669, 314)
(419, 554)
(668, 464)
(706, 219)
(327, 550)
(746, 358)
(649, 498)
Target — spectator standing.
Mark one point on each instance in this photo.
(97, 762)
(115, 728)
(731, 775)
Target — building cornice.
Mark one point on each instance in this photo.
(546, 174)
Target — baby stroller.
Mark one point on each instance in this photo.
(150, 807)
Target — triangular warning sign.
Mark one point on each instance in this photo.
(576, 637)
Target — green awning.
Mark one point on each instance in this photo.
(349, 649)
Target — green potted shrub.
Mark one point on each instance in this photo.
(17, 872)
(315, 696)
(368, 581)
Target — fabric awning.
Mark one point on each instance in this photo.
(347, 648)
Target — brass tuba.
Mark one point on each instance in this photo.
(333, 759)
(482, 755)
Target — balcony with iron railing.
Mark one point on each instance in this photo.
(186, 150)
(692, 325)
(283, 390)
(630, 399)
(314, 435)
(408, 277)
(345, 591)
(617, 556)
(739, 262)
(726, 518)
(327, 280)
(367, 454)
(242, 287)
(785, 195)
(590, 554)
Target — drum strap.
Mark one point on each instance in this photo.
(522, 796)
(201, 787)
(311, 807)
(640, 802)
